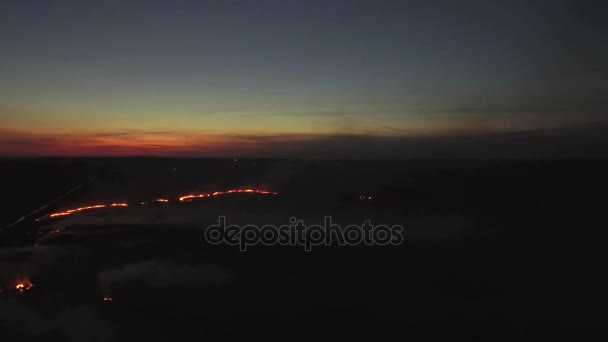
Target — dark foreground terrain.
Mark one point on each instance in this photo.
(493, 250)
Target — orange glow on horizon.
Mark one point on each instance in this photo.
(17, 142)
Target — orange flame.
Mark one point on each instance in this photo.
(23, 286)
(219, 193)
(164, 200)
(97, 206)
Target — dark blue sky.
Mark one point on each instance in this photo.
(196, 76)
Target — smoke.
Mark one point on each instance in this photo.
(278, 176)
(25, 263)
(162, 273)
(76, 324)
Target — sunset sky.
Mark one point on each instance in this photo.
(252, 78)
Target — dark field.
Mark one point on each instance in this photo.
(494, 250)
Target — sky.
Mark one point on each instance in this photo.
(356, 79)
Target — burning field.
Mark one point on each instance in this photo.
(136, 266)
(55, 235)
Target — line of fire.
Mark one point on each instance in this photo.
(184, 198)
(21, 286)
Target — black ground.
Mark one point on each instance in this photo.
(494, 250)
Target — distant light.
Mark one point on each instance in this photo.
(107, 299)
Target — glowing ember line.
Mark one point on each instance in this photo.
(60, 214)
(232, 191)
(71, 211)
(164, 200)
